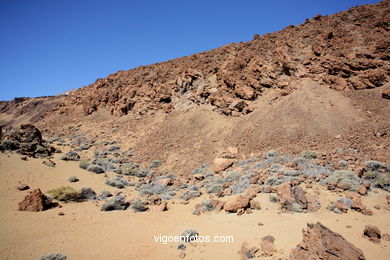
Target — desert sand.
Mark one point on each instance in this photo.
(85, 232)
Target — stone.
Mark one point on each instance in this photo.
(35, 201)
(22, 187)
(163, 206)
(386, 236)
(254, 205)
(319, 242)
(267, 246)
(235, 203)
(362, 190)
(372, 233)
(221, 164)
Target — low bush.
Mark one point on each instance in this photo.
(87, 193)
(117, 182)
(189, 235)
(65, 193)
(138, 206)
(95, 168)
(115, 203)
(52, 256)
(309, 154)
(83, 164)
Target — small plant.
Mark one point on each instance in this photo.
(95, 168)
(271, 154)
(189, 235)
(376, 166)
(309, 154)
(87, 193)
(104, 195)
(73, 179)
(240, 186)
(115, 203)
(70, 156)
(191, 194)
(117, 182)
(52, 256)
(214, 188)
(345, 179)
(155, 164)
(9, 145)
(84, 164)
(207, 205)
(138, 206)
(273, 198)
(65, 193)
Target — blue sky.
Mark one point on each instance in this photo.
(48, 47)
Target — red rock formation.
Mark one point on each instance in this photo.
(319, 242)
(35, 201)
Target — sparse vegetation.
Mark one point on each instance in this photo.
(117, 182)
(95, 168)
(115, 203)
(65, 193)
(138, 206)
(83, 164)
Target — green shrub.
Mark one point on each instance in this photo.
(65, 193)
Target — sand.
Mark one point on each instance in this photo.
(85, 232)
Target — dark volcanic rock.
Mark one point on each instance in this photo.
(26, 140)
(319, 242)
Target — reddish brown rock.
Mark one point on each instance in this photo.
(386, 93)
(372, 233)
(221, 164)
(163, 206)
(247, 252)
(362, 190)
(254, 205)
(35, 201)
(235, 203)
(267, 246)
(386, 236)
(319, 242)
(360, 207)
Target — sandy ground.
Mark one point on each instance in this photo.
(85, 232)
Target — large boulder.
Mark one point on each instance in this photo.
(35, 201)
(319, 242)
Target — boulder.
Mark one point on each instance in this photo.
(221, 164)
(319, 242)
(35, 201)
(235, 203)
(372, 233)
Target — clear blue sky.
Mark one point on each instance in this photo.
(48, 47)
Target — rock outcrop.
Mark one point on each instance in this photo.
(26, 140)
(319, 242)
(35, 201)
